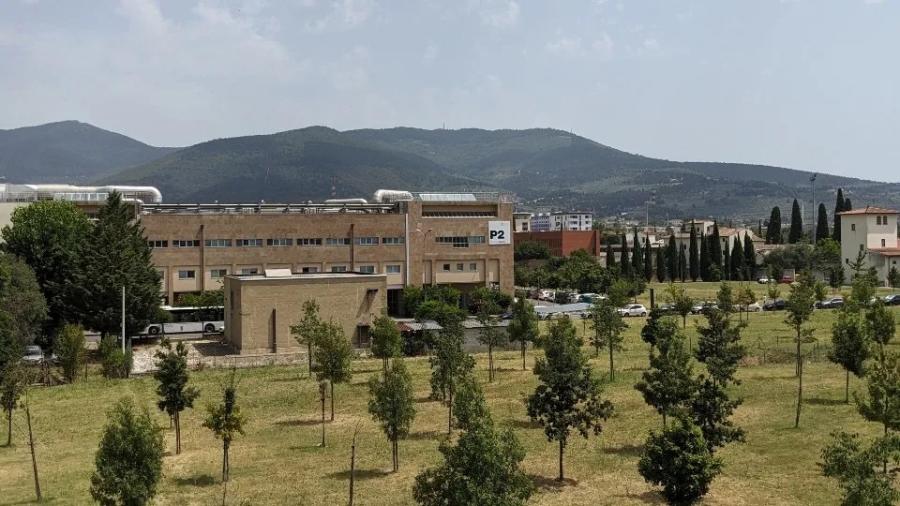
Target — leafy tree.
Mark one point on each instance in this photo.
(334, 356)
(678, 460)
(745, 297)
(648, 260)
(737, 260)
(174, 393)
(827, 258)
(660, 265)
(672, 259)
(704, 257)
(481, 469)
(650, 330)
(13, 379)
(49, 236)
(711, 410)
(207, 302)
(668, 384)
(773, 229)
(681, 300)
(893, 277)
(128, 463)
(799, 306)
(490, 334)
(694, 256)
(610, 256)
(387, 342)
(882, 403)
(114, 362)
(531, 250)
(849, 348)
(469, 407)
(749, 258)
(22, 308)
(607, 325)
(822, 224)
(865, 279)
(523, 327)
(307, 330)
(116, 255)
(226, 421)
(725, 298)
(719, 347)
(715, 251)
(449, 367)
(796, 231)
(637, 256)
(69, 349)
(880, 326)
(855, 469)
(391, 404)
(568, 396)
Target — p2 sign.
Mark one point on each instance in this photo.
(498, 233)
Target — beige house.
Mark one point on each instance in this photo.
(260, 309)
(871, 231)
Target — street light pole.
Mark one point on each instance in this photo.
(814, 224)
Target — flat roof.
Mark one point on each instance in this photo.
(309, 275)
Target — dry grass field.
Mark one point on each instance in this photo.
(279, 460)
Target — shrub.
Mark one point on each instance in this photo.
(114, 362)
(69, 349)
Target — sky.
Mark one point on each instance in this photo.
(807, 84)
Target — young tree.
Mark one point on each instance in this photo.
(678, 460)
(449, 367)
(22, 307)
(391, 404)
(648, 260)
(681, 300)
(490, 334)
(672, 259)
(893, 277)
(704, 257)
(69, 349)
(650, 330)
(796, 231)
(308, 329)
(116, 255)
(668, 384)
(745, 297)
(610, 256)
(882, 403)
(523, 327)
(799, 308)
(855, 469)
(880, 326)
(226, 421)
(822, 224)
(773, 229)
(725, 298)
(174, 393)
(838, 208)
(694, 256)
(128, 463)
(482, 468)
(387, 343)
(660, 265)
(334, 355)
(49, 236)
(719, 347)
(568, 396)
(607, 325)
(711, 410)
(13, 379)
(849, 348)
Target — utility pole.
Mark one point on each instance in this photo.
(37, 482)
(813, 224)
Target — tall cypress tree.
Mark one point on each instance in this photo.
(648, 260)
(715, 249)
(822, 224)
(694, 256)
(625, 259)
(660, 265)
(726, 262)
(796, 232)
(749, 258)
(737, 260)
(838, 207)
(637, 256)
(704, 257)
(672, 259)
(610, 256)
(682, 263)
(847, 204)
(773, 230)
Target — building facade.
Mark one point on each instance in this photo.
(464, 240)
(569, 221)
(563, 243)
(872, 233)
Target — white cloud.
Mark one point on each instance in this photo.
(566, 45)
(601, 47)
(343, 15)
(496, 13)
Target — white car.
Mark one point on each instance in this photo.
(633, 310)
(763, 280)
(752, 308)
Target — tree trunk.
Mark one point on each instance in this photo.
(384, 362)
(799, 392)
(9, 415)
(612, 371)
(523, 355)
(332, 400)
(450, 411)
(322, 398)
(664, 420)
(847, 387)
(309, 357)
(490, 363)
(37, 482)
(177, 418)
(561, 475)
(224, 461)
(396, 455)
(352, 467)
(684, 321)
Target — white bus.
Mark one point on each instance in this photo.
(188, 319)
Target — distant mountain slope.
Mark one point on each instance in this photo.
(290, 166)
(69, 151)
(545, 167)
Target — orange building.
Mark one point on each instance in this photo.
(562, 243)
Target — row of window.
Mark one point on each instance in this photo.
(284, 241)
(881, 220)
(461, 267)
(460, 241)
(249, 271)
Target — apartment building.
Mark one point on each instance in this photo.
(565, 221)
(871, 231)
(414, 239)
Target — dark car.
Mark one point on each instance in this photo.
(832, 303)
(666, 309)
(774, 305)
(892, 300)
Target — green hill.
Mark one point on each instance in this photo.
(68, 152)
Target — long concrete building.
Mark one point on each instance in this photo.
(459, 239)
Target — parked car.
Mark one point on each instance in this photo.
(34, 355)
(703, 307)
(763, 280)
(832, 303)
(548, 295)
(754, 307)
(574, 297)
(587, 298)
(774, 305)
(666, 309)
(892, 300)
(633, 310)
